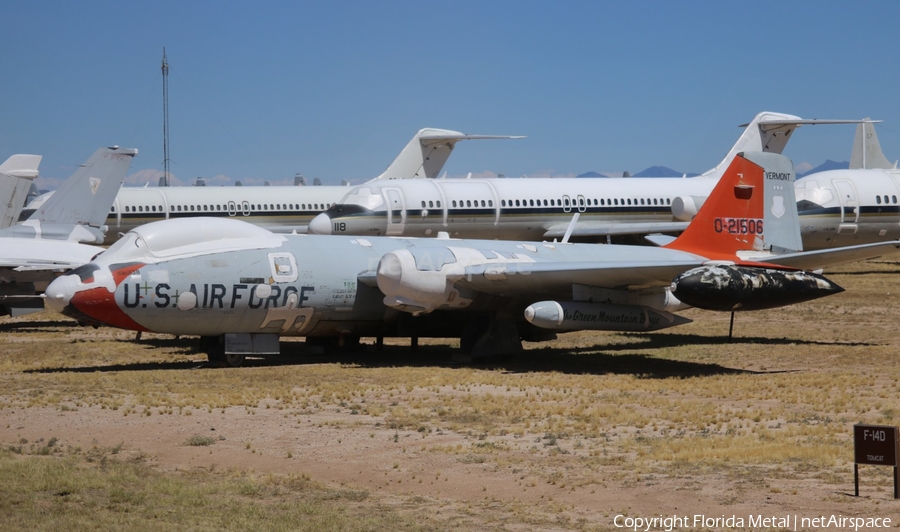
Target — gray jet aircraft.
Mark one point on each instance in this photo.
(240, 287)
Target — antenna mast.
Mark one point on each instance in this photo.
(165, 79)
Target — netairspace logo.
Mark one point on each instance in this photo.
(788, 522)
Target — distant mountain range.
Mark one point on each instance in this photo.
(663, 171)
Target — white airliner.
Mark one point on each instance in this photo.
(854, 206)
(544, 208)
(281, 209)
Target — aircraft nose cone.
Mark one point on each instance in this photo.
(320, 225)
(59, 293)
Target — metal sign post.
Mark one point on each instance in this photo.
(876, 445)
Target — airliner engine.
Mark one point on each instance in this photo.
(730, 287)
(684, 208)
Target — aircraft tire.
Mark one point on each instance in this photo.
(233, 360)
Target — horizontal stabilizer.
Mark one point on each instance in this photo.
(826, 258)
(21, 165)
(769, 125)
(438, 135)
(597, 228)
(427, 152)
(16, 175)
(767, 132)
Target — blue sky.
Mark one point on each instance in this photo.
(335, 89)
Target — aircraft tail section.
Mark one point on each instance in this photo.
(750, 213)
(16, 179)
(78, 210)
(425, 155)
(767, 132)
(867, 150)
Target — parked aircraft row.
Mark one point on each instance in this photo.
(240, 287)
(839, 207)
(52, 240)
(334, 289)
(282, 209)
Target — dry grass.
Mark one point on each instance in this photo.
(776, 403)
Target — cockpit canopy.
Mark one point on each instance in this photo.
(364, 197)
(191, 236)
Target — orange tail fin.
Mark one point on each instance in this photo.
(735, 217)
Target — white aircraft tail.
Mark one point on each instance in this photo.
(426, 153)
(867, 150)
(767, 132)
(78, 210)
(16, 177)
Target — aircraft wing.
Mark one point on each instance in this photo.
(25, 265)
(825, 258)
(514, 279)
(598, 228)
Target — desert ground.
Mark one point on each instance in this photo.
(102, 431)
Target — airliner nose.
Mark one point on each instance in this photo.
(59, 293)
(320, 225)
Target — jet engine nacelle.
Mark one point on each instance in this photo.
(421, 283)
(684, 208)
(730, 287)
(577, 316)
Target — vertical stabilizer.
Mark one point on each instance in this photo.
(16, 178)
(425, 155)
(768, 132)
(751, 212)
(78, 210)
(867, 150)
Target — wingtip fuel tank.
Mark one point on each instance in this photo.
(731, 287)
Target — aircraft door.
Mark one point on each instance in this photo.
(232, 208)
(567, 204)
(846, 193)
(396, 211)
(581, 203)
(245, 208)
